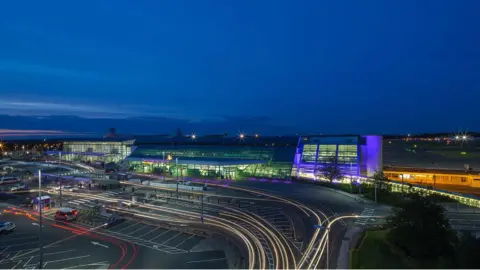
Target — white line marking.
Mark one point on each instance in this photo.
(185, 240)
(17, 264)
(159, 235)
(4, 249)
(20, 244)
(211, 260)
(47, 254)
(28, 261)
(172, 238)
(90, 264)
(149, 232)
(139, 229)
(66, 259)
(30, 249)
(16, 239)
(128, 227)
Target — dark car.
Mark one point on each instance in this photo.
(115, 222)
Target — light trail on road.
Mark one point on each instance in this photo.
(277, 240)
(219, 222)
(305, 209)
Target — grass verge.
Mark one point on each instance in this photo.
(373, 252)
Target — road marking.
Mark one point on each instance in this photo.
(90, 264)
(185, 240)
(66, 259)
(149, 232)
(46, 254)
(4, 250)
(139, 229)
(211, 260)
(28, 261)
(16, 239)
(128, 227)
(17, 264)
(172, 238)
(98, 244)
(31, 249)
(20, 244)
(159, 235)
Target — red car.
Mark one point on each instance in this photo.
(66, 214)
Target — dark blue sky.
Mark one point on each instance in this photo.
(361, 66)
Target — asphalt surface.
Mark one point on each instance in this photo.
(130, 244)
(63, 247)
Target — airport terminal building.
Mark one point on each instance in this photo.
(270, 157)
(90, 150)
(281, 157)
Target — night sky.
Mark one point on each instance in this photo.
(273, 67)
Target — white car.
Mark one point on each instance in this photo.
(6, 227)
(18, 187)
(70, 188)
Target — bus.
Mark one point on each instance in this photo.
(9, 180)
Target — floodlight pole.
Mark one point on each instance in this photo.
(40, 202)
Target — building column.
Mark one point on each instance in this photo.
(315, 163)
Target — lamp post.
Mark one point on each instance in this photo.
(403, 183)
(40, 202)
(176, 166)
(201, 217)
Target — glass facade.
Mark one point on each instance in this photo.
(226, 152)
(313, 153)
(91, 151)
(250, 161)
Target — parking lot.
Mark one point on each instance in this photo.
(178, 249)
(165, 240)
(61, 248)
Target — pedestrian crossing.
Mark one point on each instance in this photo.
(365, 216)
(90, 203)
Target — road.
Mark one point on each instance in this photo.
(258, 210)
(63, 246)
(313, 199)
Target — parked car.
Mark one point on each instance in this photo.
(6, 227)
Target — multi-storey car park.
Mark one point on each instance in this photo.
(224, 157)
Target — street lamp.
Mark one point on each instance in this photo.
(40, 202)
(176, 166)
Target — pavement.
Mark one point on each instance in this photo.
(63, 247)
(130, 244)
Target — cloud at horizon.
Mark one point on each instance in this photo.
(316, 66)
(74, 126)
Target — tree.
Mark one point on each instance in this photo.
(382, 181)
(420, 228)
(467, 252)
(331, 170)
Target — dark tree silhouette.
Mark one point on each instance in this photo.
(420, 228)
(331, 170)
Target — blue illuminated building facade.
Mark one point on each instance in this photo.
(281, 157)
(269, 157)
(355, 155)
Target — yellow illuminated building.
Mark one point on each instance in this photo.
(433, 177)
